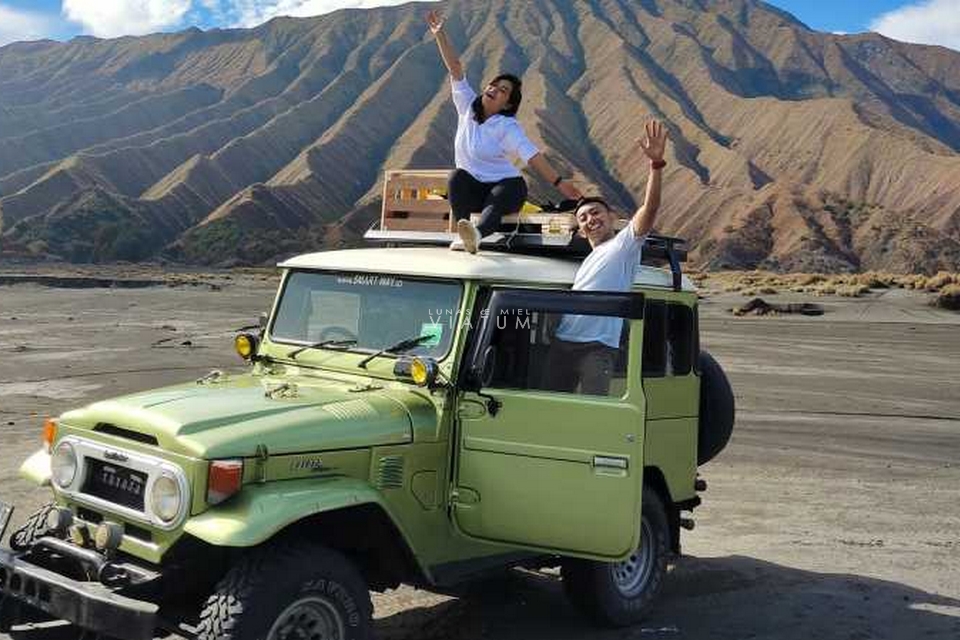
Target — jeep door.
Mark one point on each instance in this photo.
(549, 442)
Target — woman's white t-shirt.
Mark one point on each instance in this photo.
(486, 150)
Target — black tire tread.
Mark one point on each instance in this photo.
(717, 409)
(587, 582)
(245, 583)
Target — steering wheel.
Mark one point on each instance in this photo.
(336, 332)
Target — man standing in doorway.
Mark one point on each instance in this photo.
(585, 347)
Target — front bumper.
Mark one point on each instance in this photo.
(89, 605)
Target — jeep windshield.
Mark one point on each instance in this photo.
(366, 312)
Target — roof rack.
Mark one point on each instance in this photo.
(416, 212)
(657, 250)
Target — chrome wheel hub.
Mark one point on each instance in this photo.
(310, 618)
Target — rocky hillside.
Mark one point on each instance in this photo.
(793, 149)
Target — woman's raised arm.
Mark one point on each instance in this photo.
(447, 52)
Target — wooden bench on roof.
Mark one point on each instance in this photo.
(416, 200)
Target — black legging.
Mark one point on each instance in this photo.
(492, 199)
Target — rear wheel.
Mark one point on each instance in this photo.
(302, 592)
(618, 594)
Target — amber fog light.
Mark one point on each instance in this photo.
(246, 346)
(423, 371)
(166, 498)
(63, 465)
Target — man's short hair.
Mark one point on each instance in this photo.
(592, 200)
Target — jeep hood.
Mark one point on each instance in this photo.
(231, 418)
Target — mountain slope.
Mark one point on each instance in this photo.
(792, 149)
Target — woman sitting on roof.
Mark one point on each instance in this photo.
(488, 137)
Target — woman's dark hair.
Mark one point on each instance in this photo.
(516, 97)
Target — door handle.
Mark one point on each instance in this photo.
(610, 462)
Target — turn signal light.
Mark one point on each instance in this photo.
(49, 433)
(223, 480)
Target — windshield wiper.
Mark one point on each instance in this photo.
(323, 344)
(403, 345)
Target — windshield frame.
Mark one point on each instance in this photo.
(355, 350)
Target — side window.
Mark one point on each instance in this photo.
(655, 339)
(669, 339)
(530, 355)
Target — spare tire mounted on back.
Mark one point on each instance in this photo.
(716, 409)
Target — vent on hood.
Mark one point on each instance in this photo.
(390, 472)
(351, 410)
(120, 432)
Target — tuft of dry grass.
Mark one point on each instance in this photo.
(949, 297)
(751, 283)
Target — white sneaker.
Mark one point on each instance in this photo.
(468, 235)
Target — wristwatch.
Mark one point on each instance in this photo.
(557, 182)
(658, 164)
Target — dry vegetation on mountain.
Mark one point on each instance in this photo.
(793, 150)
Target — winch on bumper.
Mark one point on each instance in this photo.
(91, 605)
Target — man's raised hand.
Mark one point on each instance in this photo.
(435, 22)
(654, 143)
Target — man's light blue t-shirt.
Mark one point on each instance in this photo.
(609, 267)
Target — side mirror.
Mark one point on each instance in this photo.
(262, 322)
(482, 370)
(488, 365)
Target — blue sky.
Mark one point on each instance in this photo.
(925, 21)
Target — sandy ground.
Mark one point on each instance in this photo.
(834, 513)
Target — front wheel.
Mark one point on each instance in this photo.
(297, 593)
(619, 594)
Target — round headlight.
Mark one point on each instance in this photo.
(165, 498)
(63, 465)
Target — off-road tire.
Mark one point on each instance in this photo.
(267, 587)
(594, 588)
(717, 409)
(32, 530)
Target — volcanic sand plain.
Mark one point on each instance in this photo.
(834, 513)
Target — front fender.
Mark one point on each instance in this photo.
(36, 468)
(261, 510)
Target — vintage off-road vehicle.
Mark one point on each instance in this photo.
(396, 425)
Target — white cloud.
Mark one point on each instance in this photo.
(16, 24)
(125, 17)
(925, 22)
(249, 13)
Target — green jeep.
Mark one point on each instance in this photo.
(397, 425)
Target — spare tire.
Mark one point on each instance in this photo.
(716, 409)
